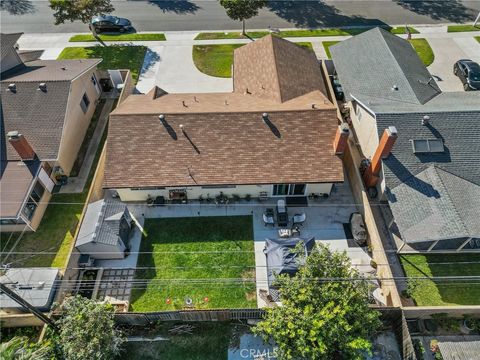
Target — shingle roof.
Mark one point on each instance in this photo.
(460, 350)
(276, 69)
(435, 205)
(39, 115)
(373, 63)
(16, 177)
(7, 42)
(101, 223)
(226, 141)
(233, 148)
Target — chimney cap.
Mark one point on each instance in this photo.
(13, 134)
(392, 130)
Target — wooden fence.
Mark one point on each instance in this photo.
(142, 319)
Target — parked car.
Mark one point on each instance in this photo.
(469, 73)
(359, 231)
(337, 88)
(110, 23)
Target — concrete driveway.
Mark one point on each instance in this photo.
(447, 51)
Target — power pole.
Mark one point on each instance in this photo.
(22, 302)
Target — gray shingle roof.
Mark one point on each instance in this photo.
(101, 223)
(7, 42)
(372, 63)
(460, 350)
(436, 205)
(39, 115)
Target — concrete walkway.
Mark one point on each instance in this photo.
(169, 64)
(77, 184)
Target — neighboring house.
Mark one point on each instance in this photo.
(272, 136)
(46, 108)
(105, 230)
(424, 144)
(35, 285)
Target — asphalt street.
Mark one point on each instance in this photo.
(32, 16)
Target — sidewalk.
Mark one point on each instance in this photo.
(77, 184)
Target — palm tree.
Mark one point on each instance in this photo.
(18, 348)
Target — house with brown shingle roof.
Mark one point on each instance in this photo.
(46, 108)
(272, 136)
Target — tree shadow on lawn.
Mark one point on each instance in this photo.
(313, 14)
(449, 10)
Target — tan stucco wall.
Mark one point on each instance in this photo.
(76, 121)
(195, 192)
(365, 127)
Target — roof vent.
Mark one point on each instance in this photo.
(41, 284)
(42, 87)
(161, 117)
(425, 120)
(64, 68)
(394, 87)
(12, 87)
(265, 117)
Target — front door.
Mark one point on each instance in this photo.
(289, 189)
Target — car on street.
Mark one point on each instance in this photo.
(110, 23)
(359, 231)
(469, 73)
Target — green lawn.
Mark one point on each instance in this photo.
(478, 38)
(114, 56)
(183, 239)
(462, 28)
(297, 33)
(54, 236)
(217, 60)
(118, 37)
(423, 50)
(441, 292)
(209, 341)
(326, 46)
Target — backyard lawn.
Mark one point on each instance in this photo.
(297, 33)
(217, 60)
(462, 28)
(114, 56)
(326, 46)
(172, 248)
(53, 238)
(118, 37)
(443, 292)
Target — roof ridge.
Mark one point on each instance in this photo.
(277, 77)
(447, 194)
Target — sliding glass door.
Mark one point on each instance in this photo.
(289, 189)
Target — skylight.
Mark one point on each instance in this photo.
(427, 146)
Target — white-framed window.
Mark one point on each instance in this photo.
(85, 102)
(289, 189)
(95, 83)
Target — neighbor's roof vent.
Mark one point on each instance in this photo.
(42, 86)
(265, 116)
(425, 120)
(395, 87)
(12, 87)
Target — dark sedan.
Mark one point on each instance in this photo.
(110, 23)
(469, 73)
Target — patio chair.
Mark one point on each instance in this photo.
(268, 217)
(282, 215)
(299, 219)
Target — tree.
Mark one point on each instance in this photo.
(18, 348)
(87, 330)
(83, 10)
(242, 9)
(324, 314)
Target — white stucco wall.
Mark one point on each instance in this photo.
(195, 191)
(103, 251)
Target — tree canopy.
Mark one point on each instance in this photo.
(320, 319)
(242, 10)
(87, 330)
(83, 10)
(19, 348)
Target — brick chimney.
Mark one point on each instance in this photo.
(21, 145)
(370, 177)
(341, 138)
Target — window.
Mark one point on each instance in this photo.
(84, 103)
(37, 191)
(95, 83)
(289, 189)
(427, 146)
